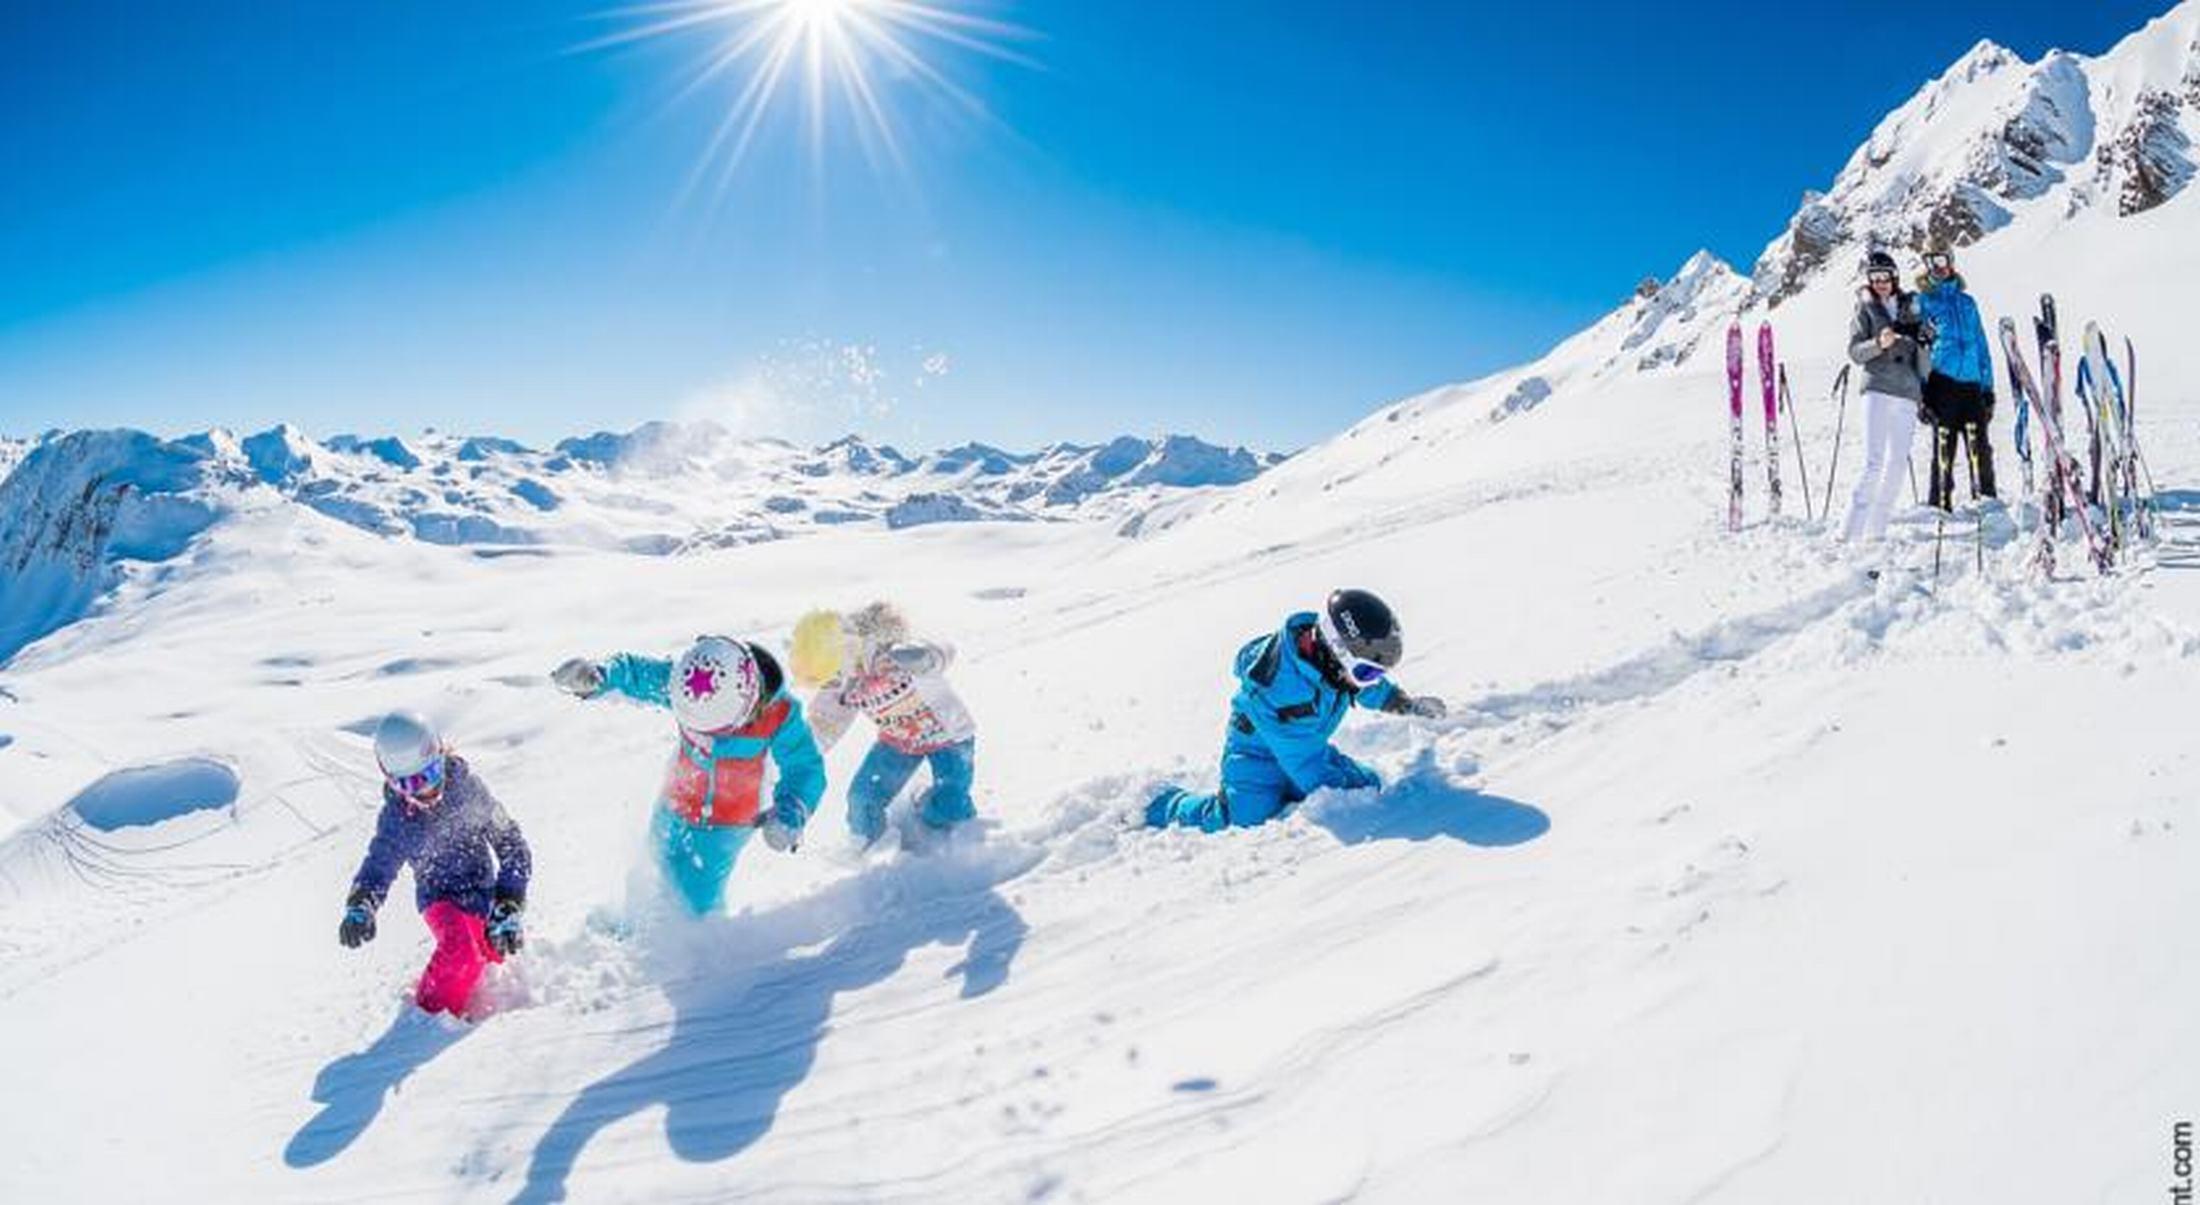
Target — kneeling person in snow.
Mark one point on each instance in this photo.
(868, 664)
(730, 700)
(1294, 686)
(469, 862)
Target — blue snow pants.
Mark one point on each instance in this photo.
(1254, 789)
(697, 858)
(885, 771)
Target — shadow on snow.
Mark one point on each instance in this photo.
(1425, 804)
(352, 1088)
(742, 1040)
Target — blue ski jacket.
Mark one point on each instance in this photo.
(1960, 351)
(1286, 710)
(463, 848)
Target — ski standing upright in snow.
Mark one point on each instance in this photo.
(2066, 477)
(2045, 329)
(1734, 415)
(1766, 369)
(2147, 516)
(2098, 389)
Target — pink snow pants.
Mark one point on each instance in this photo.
(462, 953)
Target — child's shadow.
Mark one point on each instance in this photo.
(1424, 804)
(352, 1088)
(744, 1037)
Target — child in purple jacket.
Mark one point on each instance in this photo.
(469, 862)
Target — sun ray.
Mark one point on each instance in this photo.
(829, 57)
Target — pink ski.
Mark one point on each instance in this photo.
(1767, 367)
(1734, 411)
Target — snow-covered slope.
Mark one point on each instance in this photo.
(1731, 864)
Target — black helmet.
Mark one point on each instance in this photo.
(1362, 633)
(1880, 261)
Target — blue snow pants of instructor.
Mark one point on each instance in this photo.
(886, 770)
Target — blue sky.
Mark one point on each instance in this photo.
(1252, 221)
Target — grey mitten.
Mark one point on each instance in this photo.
(579, 677)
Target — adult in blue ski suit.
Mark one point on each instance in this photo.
(1294, 687)
(1959, 394)
(735, 716)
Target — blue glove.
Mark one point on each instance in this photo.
(358, 926)
(783, 825)
(504, 931)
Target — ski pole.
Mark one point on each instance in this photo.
(1841, 420)
(1978, 506)
(1795, 429)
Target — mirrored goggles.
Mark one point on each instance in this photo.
(1880, 278)
(423, 787)
(1365, 673)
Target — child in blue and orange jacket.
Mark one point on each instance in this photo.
(733, 711)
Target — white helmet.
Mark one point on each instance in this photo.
(410, 753)
(715, 685)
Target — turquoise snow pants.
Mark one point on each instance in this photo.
(885, 771)
(697, 858)
(1254, 789)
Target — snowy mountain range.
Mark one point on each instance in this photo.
(1730, 862)
(76, 506)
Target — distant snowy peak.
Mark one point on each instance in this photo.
(1661, 326)
(1666, 326)
(1995, 134)
(77, 505)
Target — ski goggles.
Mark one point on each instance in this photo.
(1880, 277)
(1365, 673)
(1362, 671)
(426, 786)
(1940, 261)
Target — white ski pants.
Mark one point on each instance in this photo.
(1889, 424)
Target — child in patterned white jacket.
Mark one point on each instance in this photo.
(866, 663)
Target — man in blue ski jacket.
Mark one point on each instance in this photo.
(1959, 395)
(1294, 687)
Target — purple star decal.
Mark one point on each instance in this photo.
(702, 682)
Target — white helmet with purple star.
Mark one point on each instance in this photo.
(715, 685)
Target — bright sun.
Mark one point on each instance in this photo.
(831, 52)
